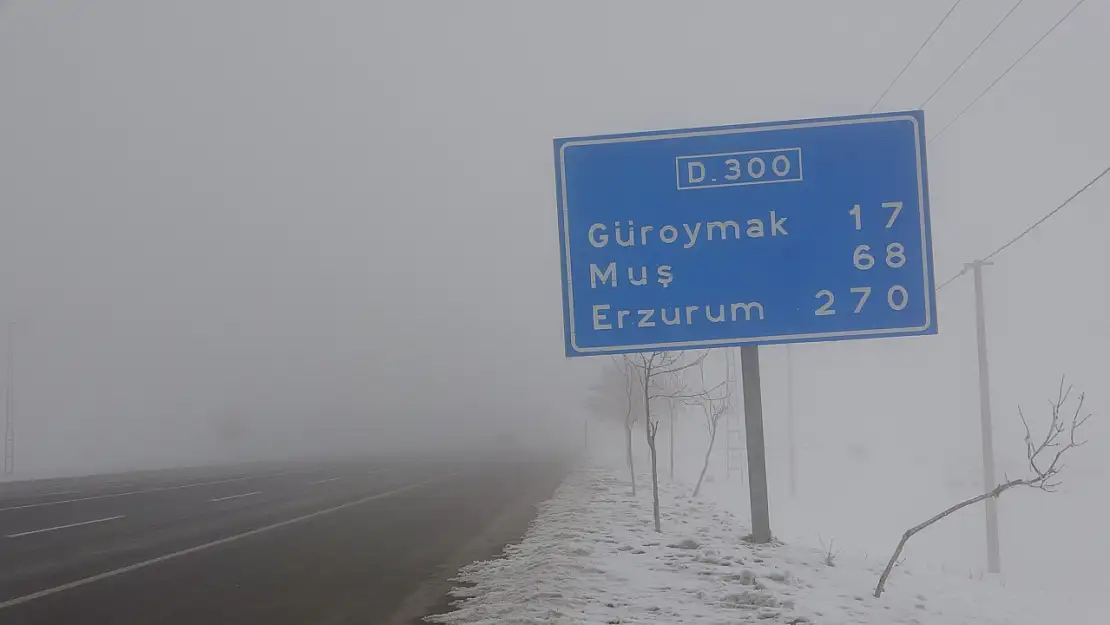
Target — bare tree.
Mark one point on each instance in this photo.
(656, 373)
(1060, 436)
(672, 409)
(714, 409)
(629, 374)
(672, 387)
(614, 397)
(830, 554)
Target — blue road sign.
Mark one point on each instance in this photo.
(809, 230)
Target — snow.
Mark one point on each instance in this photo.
(591, 556)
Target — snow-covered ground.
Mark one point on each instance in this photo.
(591, 556)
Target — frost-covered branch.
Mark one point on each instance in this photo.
(1061, 436)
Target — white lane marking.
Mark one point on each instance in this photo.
(223, 541)
(62, 527)
(50, 493)
(144, 491)
(257, 492)
(330, 479)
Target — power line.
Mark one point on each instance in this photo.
(952, 279)
(915, 54)
(972, 53)
(1003, 74)
(1048, 216)
(1031, 228)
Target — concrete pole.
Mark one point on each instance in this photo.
(987, 433)
(753, 429)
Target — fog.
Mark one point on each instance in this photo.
(240, 229)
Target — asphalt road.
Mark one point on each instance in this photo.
(354, 542)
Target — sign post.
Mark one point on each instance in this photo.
(753, 430)
(756, 234)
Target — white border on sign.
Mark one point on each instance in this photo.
(928, 294)
(678, 170)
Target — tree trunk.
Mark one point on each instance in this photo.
(671, 406)
(586, 436)
(651, 430)
(708, 453)
(654, 480)
(628, 453)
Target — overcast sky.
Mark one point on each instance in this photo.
(334, 222)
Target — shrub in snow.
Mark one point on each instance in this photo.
(688, 543)
(757, 598)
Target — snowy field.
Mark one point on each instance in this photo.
(591, 556)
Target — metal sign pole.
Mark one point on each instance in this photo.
(753, 425)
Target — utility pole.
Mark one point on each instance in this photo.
(993, 559)
(9, 405)
(753, 430)
(792, 452)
